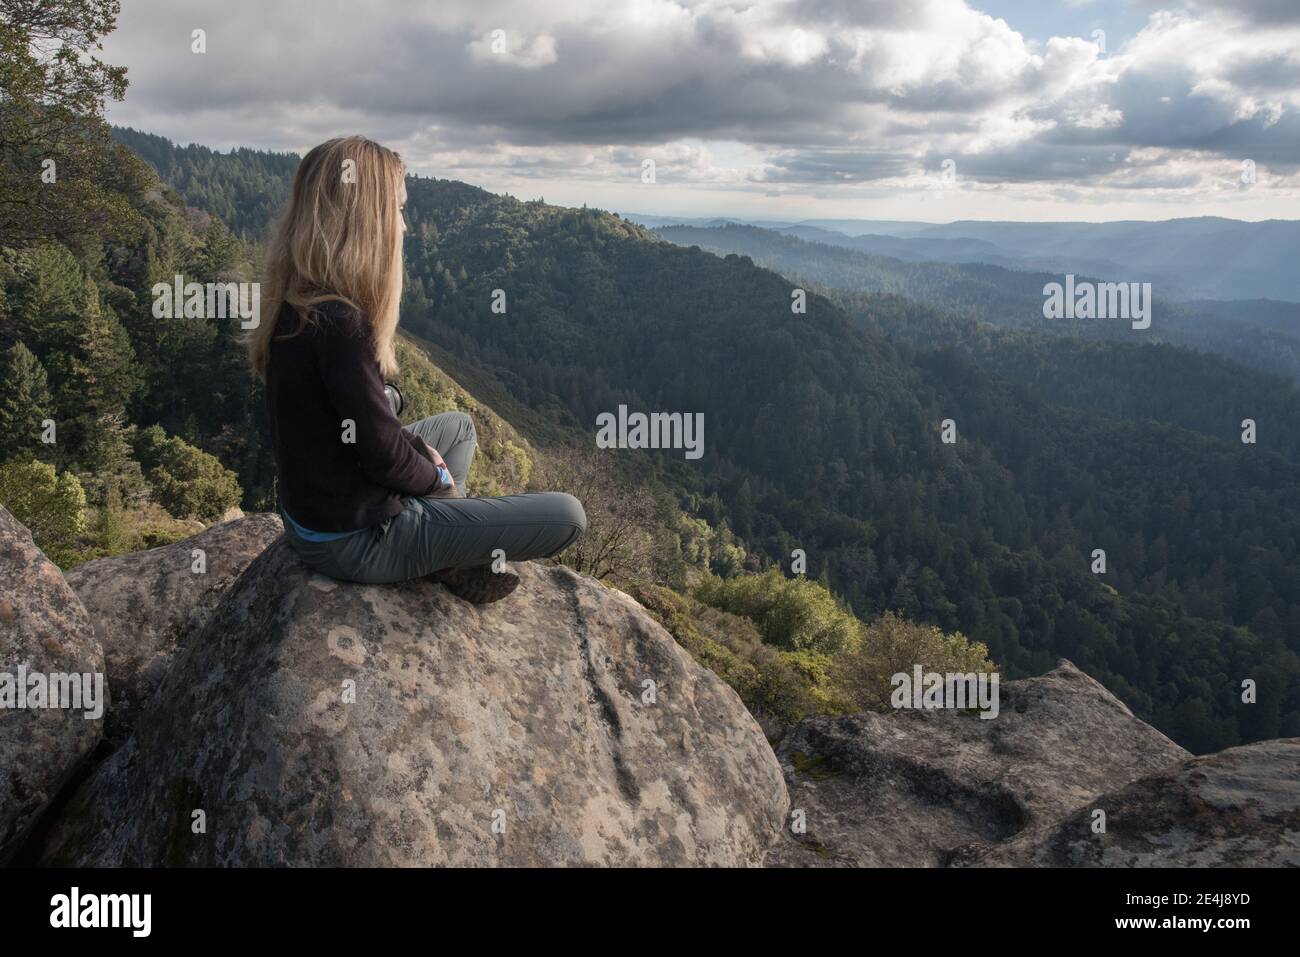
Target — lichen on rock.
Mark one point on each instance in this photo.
(315, 722)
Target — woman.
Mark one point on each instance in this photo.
(362, 498)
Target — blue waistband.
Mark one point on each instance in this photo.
(308, 535)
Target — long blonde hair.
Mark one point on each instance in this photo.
(339, 240)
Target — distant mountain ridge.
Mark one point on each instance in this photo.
(1261, 333)
(1193, 258)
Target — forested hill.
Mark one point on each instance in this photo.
(245, 188)
(1260, 334)
(822, 434)
(1133, 380)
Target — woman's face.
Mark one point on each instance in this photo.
(401, 205)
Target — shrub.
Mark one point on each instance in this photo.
(837, 663)
(52, 506)
(891, 645)
(113, 529)
(793, 613)
(773, 686)
(185, 480)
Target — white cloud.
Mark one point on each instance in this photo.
(818, 95)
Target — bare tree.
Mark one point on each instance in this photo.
(626, 537)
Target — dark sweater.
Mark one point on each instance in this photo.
(314, 382)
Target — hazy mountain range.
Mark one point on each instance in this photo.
(1261, 333)
(1201, 258)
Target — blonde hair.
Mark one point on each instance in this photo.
(340, 240)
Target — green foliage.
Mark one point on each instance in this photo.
(106, 466)
(1134, 381)
(188, 482)
(61, 176)
(115, 529)
(46, 291)
(24, 403)
(792, 613)
(245, 188)
(774, 688)
(111, 530)
(51, 505)
(709, 548)
(96, 377)
(892, 645)
(1262, 334)
(745, 630)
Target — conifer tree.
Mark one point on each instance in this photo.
(25, 403)
(96, 378)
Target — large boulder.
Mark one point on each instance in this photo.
(314, 722)
(145, 603)
(901, 789)
(45, 634)
(1237, 808)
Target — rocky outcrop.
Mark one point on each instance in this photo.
(145, 603)
(1237, 808)
(313, 722)
(45, 634)
(288, 719)
(902, 789)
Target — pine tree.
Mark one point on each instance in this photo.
(218, 257)
(97, 378)
(25, 403)
(110, 377)
(46, 297)
(108, 468)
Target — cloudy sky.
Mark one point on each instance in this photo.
(783, 109)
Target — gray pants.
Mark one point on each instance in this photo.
(430, 534)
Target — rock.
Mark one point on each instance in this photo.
(1237, 808)
(901, 789)
(315, 722)
(143, 604)
(45, 631)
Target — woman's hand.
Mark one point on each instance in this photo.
(448, 488)
(429, 452)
